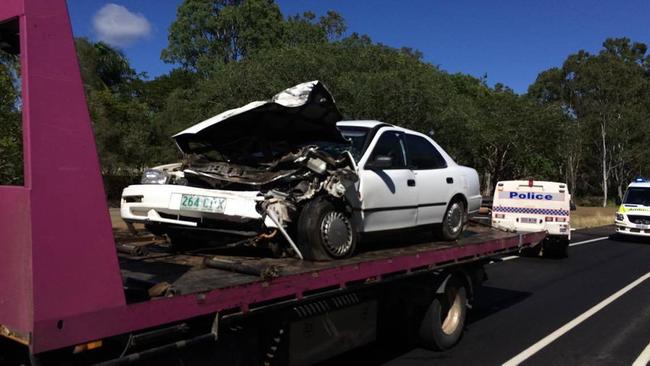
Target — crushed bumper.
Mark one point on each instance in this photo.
(161, 204)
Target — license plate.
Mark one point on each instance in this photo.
(640, 226)
(528, 220)
(203, 203)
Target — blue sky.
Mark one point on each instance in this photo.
(511, 41)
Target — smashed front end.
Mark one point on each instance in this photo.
(248, 172)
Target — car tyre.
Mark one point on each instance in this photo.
(454, 220)
(325, 232)
(444, 320)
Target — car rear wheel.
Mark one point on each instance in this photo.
(325, 232)
(454, 220)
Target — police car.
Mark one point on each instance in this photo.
(633, 215)
(529, 206)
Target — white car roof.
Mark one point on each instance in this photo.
(373, 123)
(640, 184)
(545, 184)
(361, 123)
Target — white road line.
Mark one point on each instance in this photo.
(511, 257)
(644, 357)
(527, 353)
(589, 241)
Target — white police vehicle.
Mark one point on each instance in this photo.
(529, 206)
(633, 215)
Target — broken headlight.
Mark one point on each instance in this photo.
(154, 176)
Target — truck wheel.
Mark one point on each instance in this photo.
(444, 320)
(557, 248)
(325, 232)
(453, 221)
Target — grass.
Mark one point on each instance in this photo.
(585, 217)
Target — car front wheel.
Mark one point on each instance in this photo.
(325, 232)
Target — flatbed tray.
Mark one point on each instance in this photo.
(187, 273)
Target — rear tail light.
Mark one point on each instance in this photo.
(499, 216)
(548, 218)
(560, 219)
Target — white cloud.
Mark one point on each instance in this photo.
(117, 26)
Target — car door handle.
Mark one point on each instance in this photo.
(450, 180)
(411, 182)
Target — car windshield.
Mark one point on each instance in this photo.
(357, 137)
(637, 196)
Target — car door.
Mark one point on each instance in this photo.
(432, 178)
(389, 195)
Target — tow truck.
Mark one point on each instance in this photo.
(70, 295)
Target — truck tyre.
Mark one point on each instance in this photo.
(556, 248)
(444, 320)
(453, 221)
(563, 248)
(325, 232)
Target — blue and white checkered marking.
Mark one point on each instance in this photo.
(533, 211)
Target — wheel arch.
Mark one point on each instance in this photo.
(464, 275)
(459, 196)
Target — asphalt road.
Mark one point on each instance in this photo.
(558, 301)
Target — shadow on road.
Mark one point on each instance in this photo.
(490, 300)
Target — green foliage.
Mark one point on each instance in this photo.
(584, 122)
(11, 141)
(121, 106)
(209, 33)
(607, 95)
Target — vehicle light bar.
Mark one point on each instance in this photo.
(548, 218)
(560, 219)
(499, 216)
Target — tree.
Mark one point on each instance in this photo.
(128, 139)
(208, 34)
(607, 95)
(11, 138)
(104, 67)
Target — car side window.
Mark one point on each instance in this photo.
(422, 154)
(390, 144)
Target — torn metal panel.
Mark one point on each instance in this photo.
(303, 113)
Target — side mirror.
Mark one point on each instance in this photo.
(617, 201)
(380, 162)
(572, 206)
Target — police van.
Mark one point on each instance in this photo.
(633, 215)
(528, 206)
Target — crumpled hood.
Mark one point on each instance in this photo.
(298, 115)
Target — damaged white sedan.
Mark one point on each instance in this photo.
(284, 174)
